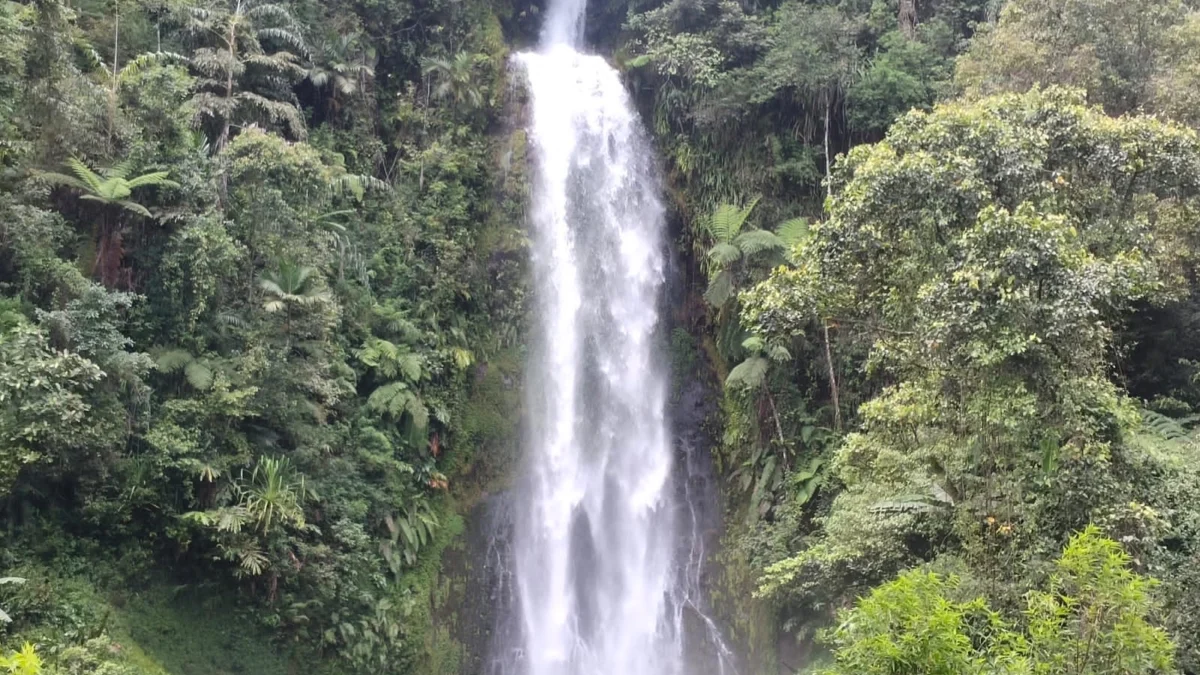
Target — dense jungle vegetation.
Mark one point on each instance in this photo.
(262, 313)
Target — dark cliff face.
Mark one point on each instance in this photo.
(486, 625)
(694, 410)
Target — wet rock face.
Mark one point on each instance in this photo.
(483, 615)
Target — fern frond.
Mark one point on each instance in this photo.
(119, 171)
(779, 354)
(391, 399)
(285, 36)
(85, 174)
(172, 360)
(754, 242)
(155, 178)
(749, 374)
(727, 220)
(720, 289)
(138, 65)
(357, 185)
(276, 112)
(199, 375)
(60, 179)
(1162, 426)
(724, 254)
(792, 232)
(131, 206)
(419, 414)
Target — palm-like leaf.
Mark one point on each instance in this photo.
(720, 288)
(749, 374)
(110, 187)
(396, 400)
(274, 493)
(754, 242)
(85, 174)
(724, 254)
(793, 231)
(456, 78)
(290, 284)
(727, 220)
(158, 178)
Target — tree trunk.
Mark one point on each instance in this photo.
(828, 157)
(112, 92)
(833, 385)
(226, 128)
(908, 18)
(109, 251)
(778, 424)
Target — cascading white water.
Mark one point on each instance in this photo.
(600, 587)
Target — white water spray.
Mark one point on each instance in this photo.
(603, 572)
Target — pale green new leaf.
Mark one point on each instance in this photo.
(199, 375)
(792, 232)
(749, 374)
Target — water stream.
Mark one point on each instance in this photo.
(606, 552)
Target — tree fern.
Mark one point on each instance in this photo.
(792, 232)
(396, 400)
(724, 254)
(198, 372)
(754, 242)
(727, 220)
(109, 186)
(749, 374)
(390, 359)
(720, 288)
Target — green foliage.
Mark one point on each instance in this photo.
(1094, 618)
(23, 662)
(4, 617)
(1111, 49)
(455, 78)
(280, 358)
(111, 189)
(237, 60)
(290, 285)
(980, 270)
(111, 186)
(46, 396)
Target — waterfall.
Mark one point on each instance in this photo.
(605, 551)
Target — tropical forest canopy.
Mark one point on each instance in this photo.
(263, 314)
